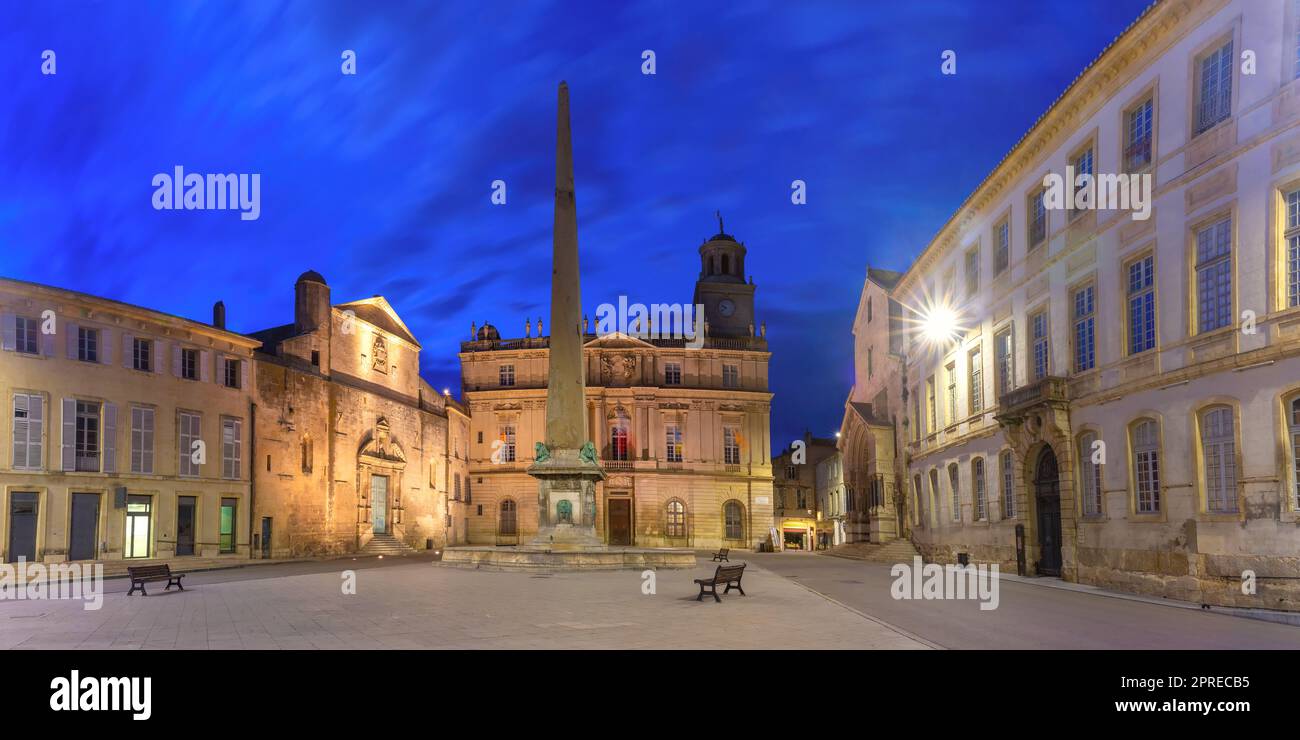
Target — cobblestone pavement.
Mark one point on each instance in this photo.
(420, 604)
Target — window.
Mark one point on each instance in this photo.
(1219, 452)
(871, 369)
(673, 443)
(1006, 363)
(801, 499)
(1037, 218)
(506, 375)
(977, 488)
(190, 445)
(1146, 466)
(139, 511)
(730, 446)
(618, 443)
(1294, 430)
(308, 457)
(1085, 350)
(232, 446)
(1137, 136)
(976, 362)
(141, 354)
(1214, 276)
(1292, 238)
(509, 518)
(869, 309)
(1039, 329)
(1214, 87)
(226, 525)
(672, 373)
(1089, 476)
(954, 485)
(25, 332)
(1008, 486)
(232, 373)
(919, 516)
(29, 428)
(1001, 247)
(791, 472)
(972, 272)
(734, 517)
(506, 433)
(456, 491)
(1141, 305)
(315, 357)
(189, 363)
(731, 376)
(951, 370)
(931, 405)
(87, 344)
(1083, 194)
(675, 525)
(141, 439)
(87, 439)
(934, 494)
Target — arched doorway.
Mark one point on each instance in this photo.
(1047, 494)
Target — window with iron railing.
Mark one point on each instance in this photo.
(1214, 88)
(1137, 142)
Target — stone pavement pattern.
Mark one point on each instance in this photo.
(423, 605)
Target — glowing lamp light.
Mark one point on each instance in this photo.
(940, 325)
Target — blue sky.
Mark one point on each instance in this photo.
(382, 181)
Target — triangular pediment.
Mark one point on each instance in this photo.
(377, 312)
(618, 340)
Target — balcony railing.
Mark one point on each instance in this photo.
(1050, 391)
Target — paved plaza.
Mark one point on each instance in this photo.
(420, 605)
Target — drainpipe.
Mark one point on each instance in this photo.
(252, 476)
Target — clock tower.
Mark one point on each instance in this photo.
(727, 299)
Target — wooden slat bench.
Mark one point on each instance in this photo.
(143, 574)
(729, 575)
(721, 555)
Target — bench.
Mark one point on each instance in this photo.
(721, 555)
(143, 574)
(726, 574)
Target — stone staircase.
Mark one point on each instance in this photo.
(895, 551)
(386, 544)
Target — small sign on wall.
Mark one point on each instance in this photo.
(761, 500)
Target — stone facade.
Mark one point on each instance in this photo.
(350, 441)
(800, 520)
(125, 430)
(710, 404)
(1119, 402)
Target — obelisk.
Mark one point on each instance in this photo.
(565, 465)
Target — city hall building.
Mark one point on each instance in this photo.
(125, 430)
(683, 433)
(1079, 391)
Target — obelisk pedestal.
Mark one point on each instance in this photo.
(565, 466)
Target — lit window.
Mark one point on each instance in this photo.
(1004, 352)
(1214, 276)
(1292, 238)
(1146, 466)
(676, 519)
(673, 443)
(1219, 452)
(976, 360)
(730, 446)
(1137, 149)
(618, 443)
(506, 434)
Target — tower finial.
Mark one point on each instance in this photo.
(719, 215)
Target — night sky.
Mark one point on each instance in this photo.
(382, 181)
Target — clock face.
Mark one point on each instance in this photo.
(726, 307)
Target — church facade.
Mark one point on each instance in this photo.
(682, 431)
(352, 450)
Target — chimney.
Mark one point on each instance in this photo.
(219, 314)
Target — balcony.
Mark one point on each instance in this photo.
(616, 465)
(1051, 391)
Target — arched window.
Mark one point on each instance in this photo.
(977, 489)
(1089, 475)
(954, 485)
(733, 515)
(509, 516)
(675, 522)
(1219, 457)
(1007, 465)
(1293, 425)
(726, 265)
(618, 443)
(1146, 465)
